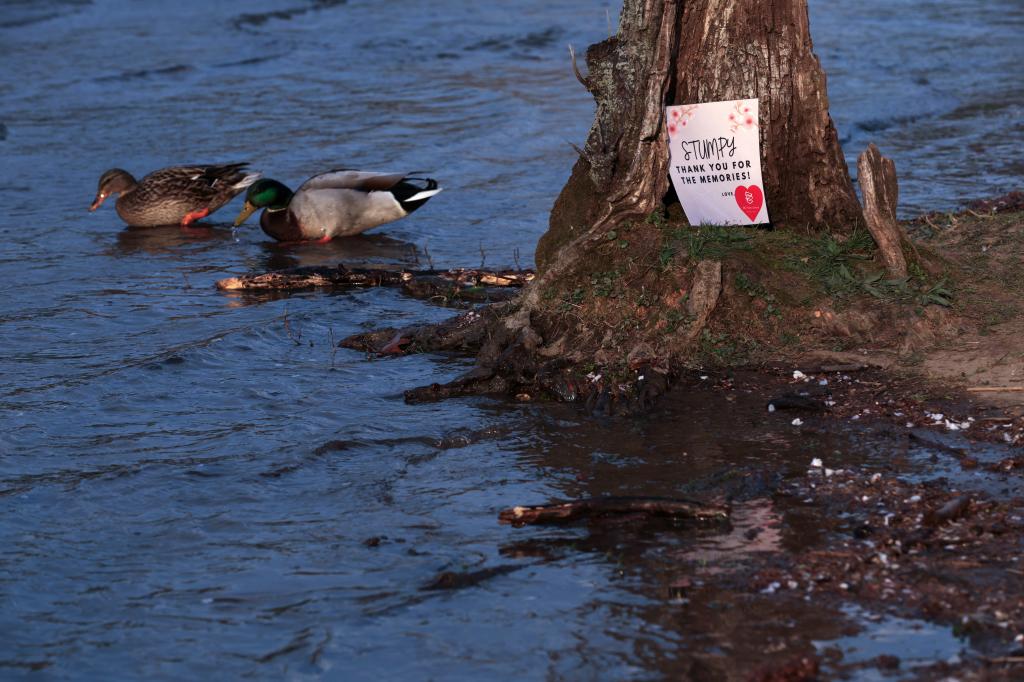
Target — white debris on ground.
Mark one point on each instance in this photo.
(908, 412)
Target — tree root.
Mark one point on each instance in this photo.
(513, 363)
(604, 507)
(453, 580)
(466, 332)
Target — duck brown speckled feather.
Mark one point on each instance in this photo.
(175, 195)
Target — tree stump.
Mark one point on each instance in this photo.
(877, 177)
(667, 291)
(677, 52)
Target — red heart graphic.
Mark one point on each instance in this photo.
(749, 199)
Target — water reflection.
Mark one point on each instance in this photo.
(360, 250)
(169, 239)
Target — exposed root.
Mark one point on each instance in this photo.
(466, 332)
(576, 69)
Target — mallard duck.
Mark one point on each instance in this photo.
(338, 203)
(176, 195)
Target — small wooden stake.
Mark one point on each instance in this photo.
(877, 177)
(602, 507)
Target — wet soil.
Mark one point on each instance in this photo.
(926, 538)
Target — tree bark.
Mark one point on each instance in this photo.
(682, 52)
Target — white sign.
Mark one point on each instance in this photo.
(715, 162)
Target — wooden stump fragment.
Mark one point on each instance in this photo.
(877, 177)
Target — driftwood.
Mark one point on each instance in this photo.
(603, 507)
(877, 177)
(459, 284)
(338, 276)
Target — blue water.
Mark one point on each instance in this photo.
(188, 479)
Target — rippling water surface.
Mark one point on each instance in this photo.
(195, 484)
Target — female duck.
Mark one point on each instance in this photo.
(338, 203)
(176, 195)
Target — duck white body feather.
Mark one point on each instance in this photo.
(343, 203)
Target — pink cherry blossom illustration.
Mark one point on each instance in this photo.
(741, 117)
(679, 116)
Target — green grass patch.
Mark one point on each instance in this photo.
(605, 284)
(845, 269)
(708, 242)
(758, 291)
(724, 350)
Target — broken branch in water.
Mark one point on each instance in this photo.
(312, 277)
(600, 507)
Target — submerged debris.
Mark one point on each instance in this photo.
(948, 555)
(604, 507)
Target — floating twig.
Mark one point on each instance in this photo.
(600, 507)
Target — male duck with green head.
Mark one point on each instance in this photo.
(338, 203)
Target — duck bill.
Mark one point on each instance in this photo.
(247, 211)
(100, 198)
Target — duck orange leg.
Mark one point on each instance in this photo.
(323, 240)
(193, 216)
